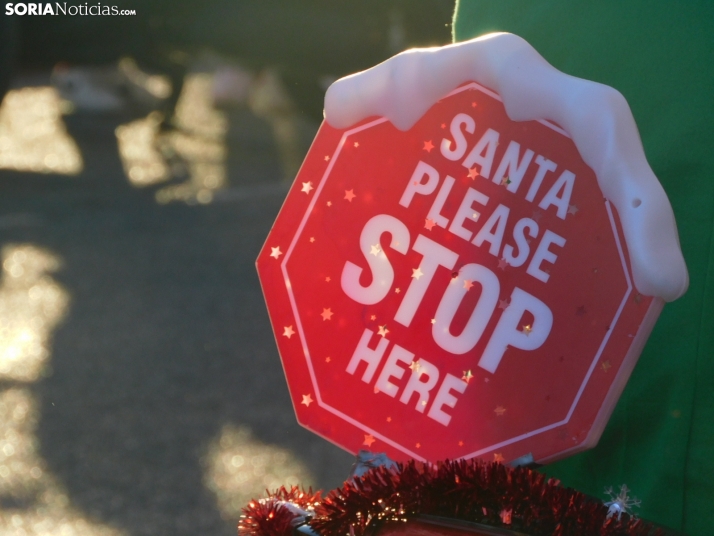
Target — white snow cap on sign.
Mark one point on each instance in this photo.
(596, 116)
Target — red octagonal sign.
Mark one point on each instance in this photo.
(458, 290)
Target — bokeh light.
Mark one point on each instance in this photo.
(195, 148)
(143, 163)
(33, 135)
(238, 468)
(32, 303)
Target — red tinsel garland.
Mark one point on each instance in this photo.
(469, 490)
(271, 516)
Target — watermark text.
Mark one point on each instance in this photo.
(62, 8)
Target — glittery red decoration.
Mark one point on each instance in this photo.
(492, 494)
(271, 517)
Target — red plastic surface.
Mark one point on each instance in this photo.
(377, 261)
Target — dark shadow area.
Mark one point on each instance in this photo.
(166, 340)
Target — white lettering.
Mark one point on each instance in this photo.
(435, 255)
(492, 231)
(393, 370)
(459, 139)
(565, 183)
(521, 242)
(544, 166)
(450, 302)
(415, 385)
(487, 143)
(542, 253)
(445, 398)
(435, 210)
(382, 271)
(466, 211)
(511, 169)
(507, 332)
(415, 186)
(364, 353)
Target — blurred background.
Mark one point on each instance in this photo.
(143, 160)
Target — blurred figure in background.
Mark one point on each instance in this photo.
(275, 56)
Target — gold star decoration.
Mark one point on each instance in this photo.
(383, 330)
(461, 443)
(326, 314)
(473, 105)
(327, 158)
(472, 173)
(418, 445)
(428, 146)
(275, 252)
(373, 317)
(606, 366)
(350, 195)
(307, 400)
(375, 249)
(414, 366)
(505, 181)
(288, 331)
(433, 320)
(376, 389)
(329, 203)
(502, 304)
(527, 329)
(467, 376)
(416, 273)
(327, 279)
(312, 239)
(499, 411)
(327, 359)
(306, 187)
(502, 263)
(356, 144)
(468, 284)
(397, 290)
(497, 457)
(429, 224)
(368, 440)
(389, 419)
(443, 125)
(572, 209)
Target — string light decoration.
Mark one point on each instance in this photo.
(517, 499)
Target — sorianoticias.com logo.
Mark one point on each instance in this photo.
(62, 8)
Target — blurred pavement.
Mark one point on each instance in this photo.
(141, 392)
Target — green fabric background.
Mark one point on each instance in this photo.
(660, 55)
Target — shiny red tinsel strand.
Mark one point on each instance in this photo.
(470, 490)
(270, 517)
